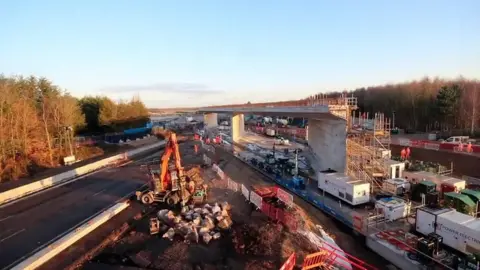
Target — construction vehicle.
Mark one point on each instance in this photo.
(170, 184)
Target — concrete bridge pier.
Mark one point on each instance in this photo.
(328, 140)
(238, 126)
(210, 120)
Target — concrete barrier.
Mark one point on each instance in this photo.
(16, 193)
(47, 253)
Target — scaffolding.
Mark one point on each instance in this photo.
(366, 148)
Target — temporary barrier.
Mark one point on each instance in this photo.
(318, 259)
(329, 256)
(45, 254)
(245, 192)
(207, 160)
(289, 263)
(256, 200)
(358, 223)
(284, 196)
(431, 145)
(232, 184)
(275, 213)
(220, 173)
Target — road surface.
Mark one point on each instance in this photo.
(29, 224)
(54, 171)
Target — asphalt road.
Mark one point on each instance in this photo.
(28, 224)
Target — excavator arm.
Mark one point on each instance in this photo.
(171, 148)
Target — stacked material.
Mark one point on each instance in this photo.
(195, 223)
(194, 175)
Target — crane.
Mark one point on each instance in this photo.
(170, 184)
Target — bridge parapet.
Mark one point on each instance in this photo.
(313, 101)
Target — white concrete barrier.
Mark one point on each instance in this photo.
(36, 186)
(47, 253)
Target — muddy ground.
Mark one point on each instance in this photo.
(253, 242)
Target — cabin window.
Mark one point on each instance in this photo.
(341, 194)
(349, 197)
(397, 171)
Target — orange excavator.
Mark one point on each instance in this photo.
(170, 184)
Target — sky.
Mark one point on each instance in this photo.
(202, 52)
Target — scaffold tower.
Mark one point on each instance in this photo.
(368, 148)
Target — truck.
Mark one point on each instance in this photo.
(458, 140)
(459, 231)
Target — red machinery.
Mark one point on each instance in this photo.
(169, 184)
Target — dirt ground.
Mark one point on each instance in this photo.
(343, 236)
(253, 242)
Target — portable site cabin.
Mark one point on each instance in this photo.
(395, 168)
(352, 191)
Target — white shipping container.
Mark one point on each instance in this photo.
(354, 192)
(459, 231)
(393, 208)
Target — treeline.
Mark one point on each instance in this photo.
(38, 121)
(425, 105)
(102, 115)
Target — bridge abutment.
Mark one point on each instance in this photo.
(210, 120)
(238, 126)
(327, 140)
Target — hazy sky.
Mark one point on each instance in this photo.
(188, 53)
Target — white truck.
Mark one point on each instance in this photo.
(458, 140)
(459, 231)
(270, 132)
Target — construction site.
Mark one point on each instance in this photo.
(245, 238)
(248, 197)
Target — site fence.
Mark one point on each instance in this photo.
(328, 255)
(432, 145)
(282, 215)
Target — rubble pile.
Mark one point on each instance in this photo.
(193, 223)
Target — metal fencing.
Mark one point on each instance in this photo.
(277, 214)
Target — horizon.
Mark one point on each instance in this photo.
(189, 54)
